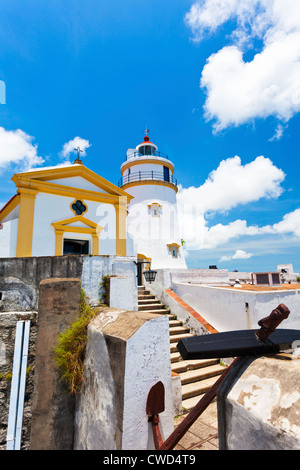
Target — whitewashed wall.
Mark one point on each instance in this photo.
(50, 208)
(8, 239)
(238, 309)
(111, 411)
(152, 234)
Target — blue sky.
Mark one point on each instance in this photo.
(216, 82)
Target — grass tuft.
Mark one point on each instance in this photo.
(69, 352)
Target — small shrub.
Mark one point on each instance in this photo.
(70, 349)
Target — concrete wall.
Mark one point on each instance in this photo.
(259, 405)
(236, 309)
(20, 277)
(52, 424)
(134, 351)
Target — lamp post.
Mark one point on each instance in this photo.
(149, 274)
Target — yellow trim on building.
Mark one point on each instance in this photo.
(10, 206)
(121, 231)
(25, 222)
(32, 182)
(142, 257)
(68, 172)
(142, 161)
(63, 226)
(158, 183)
(69, 191)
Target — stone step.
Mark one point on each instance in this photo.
(175, 330)
(184, 366)
(173, 348)
(176, 338)
(146, 301)
(175, 357)
(145, 297)
(196, 375)
(143, 291)
(151, 307)
(173, 323)
(162, 311)
(197, 388)
(189, 403)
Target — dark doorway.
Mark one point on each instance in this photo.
(76, 247)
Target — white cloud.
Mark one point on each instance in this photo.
(16, 147)
(239, 254)
(69, 147)
(232, 184)
(198, 235)
(226, 187)
(289, 224)
(269, 85)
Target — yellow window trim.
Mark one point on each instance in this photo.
(171, 246)
(63, 226)
(74, 202)
(142, 161)
(154, 204)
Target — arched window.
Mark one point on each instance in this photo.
(155, 209)
(173, 249)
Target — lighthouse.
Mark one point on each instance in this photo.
(152, 222)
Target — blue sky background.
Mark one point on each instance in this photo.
(104, 70)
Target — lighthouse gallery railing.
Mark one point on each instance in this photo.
(146, 175)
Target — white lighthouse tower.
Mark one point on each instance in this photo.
(152, 223)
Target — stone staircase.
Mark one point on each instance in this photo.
(198, 375)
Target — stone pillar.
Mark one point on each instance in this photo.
(53, 408)
(134, 348)
(259, 404)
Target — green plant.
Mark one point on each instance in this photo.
(104, 290)
(69, 351)
(298, 278)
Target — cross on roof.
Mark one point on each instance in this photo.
(78, 150)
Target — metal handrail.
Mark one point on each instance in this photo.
(155, 153)
(146, 175)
